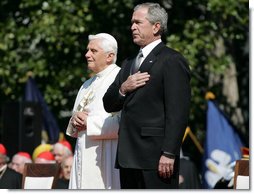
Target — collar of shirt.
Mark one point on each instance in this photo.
(148, 48)
(106, 70)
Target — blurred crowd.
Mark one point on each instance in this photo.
(12, 169)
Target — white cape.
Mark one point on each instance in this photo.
(94, 156)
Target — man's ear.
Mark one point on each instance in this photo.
(156, 28)
(110, 57)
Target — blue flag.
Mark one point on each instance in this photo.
(222, 148)
(32, 94)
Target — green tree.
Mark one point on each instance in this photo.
(49, 38)
(213, 36)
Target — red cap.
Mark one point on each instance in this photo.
(25, 154)
(245, 152)
(2, 149)
(66, 144)
(47, 155)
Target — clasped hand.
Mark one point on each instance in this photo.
(79, 120)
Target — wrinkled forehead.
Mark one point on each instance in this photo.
(2, 159)
(94, 44)
(17, 159)
(68, 160)
(139, 15)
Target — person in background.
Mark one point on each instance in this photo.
(41, 148)
(189, 177)
(95, 129)
(61, 150)
(18, 161)
(63, 182)
(9, 179)
(45, 157)
(153, 92)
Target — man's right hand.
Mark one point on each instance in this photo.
(134, 81)
(79, 120)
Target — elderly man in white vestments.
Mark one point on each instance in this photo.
(95, 129)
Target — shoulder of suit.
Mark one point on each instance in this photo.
(13, 172)
(126, 61)
(170, 51)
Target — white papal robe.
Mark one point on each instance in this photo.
(94, 155)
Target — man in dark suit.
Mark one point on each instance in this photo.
(155, 103)
(9, 179)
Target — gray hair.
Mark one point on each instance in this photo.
(5, 157)
(60, 146)
(156, 13)
(108, 43)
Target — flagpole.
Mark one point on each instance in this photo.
(194, 139)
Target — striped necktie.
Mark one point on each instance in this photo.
(137, 61)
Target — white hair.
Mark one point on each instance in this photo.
(23, 158)
(60, 146)
(108, 43)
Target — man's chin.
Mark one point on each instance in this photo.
(135, 40)
(90, 64)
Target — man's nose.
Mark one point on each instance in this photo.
(86, 54)
(133, 26)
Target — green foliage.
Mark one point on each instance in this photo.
(44, 38)
(49, 38)
(207, 37)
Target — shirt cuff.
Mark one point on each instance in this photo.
(121, 94)
(168, 155)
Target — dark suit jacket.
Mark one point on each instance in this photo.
(62, 184)
(190, 174)
(154, 117)
(11, 180)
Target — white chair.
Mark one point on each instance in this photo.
(241, 176)
(40, 176)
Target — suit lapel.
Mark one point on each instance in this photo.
(127, 69)
(151, 58)
(145, 66)
(148, 63)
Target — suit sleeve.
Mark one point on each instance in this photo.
(112, 100)
(177, 95)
